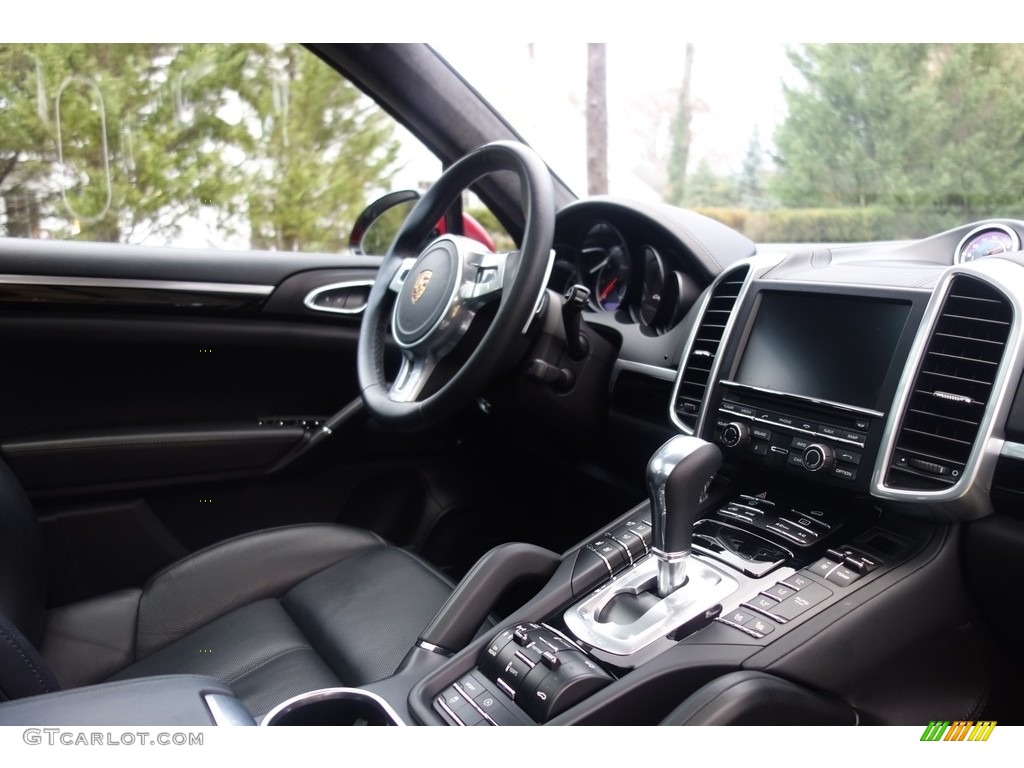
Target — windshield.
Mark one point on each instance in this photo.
(787, 143)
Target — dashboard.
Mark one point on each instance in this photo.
(886, 370)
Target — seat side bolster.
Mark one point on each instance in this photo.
(225, 576)
(87, 641)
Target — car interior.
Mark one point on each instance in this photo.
(638, 470)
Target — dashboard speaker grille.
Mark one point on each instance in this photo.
(698, 364)
(952, 389)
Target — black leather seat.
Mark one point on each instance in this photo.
(273, 613)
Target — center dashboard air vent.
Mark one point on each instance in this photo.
(703, 348)
(952, 389)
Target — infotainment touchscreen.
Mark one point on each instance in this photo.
(827, 347)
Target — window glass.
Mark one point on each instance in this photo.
(230, 146)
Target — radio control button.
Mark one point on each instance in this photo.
(735, 435)
(844, 473)
(850, 457)
(817, 457)
(761, 433)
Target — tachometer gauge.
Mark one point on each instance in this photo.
(604, 266)
(986, 240)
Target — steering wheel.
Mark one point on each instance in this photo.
(430, 297)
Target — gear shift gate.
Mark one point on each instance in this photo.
(591, 620)
(671, 587)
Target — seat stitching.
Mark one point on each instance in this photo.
(35, 670)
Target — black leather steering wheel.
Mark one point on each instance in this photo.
(430, 297)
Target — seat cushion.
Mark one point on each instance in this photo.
(257, 650)
(273, 614)
(350, 623)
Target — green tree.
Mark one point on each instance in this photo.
(854, 131)
(322, 145)
(750, 184)
(981, 92)
(126, 143)
(921, 126)
(707, 189)
(94, 138)
(681, 135)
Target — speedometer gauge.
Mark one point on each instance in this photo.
(605, 266)
(986, 240)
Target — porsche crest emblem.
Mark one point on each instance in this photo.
(420, 286)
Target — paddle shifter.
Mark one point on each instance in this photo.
(678, 475)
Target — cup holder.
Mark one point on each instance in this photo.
(333, 706)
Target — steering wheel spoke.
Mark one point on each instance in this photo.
(412, 377)
(404, 268)
(484, 276)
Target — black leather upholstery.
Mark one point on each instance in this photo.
(349, 624)
(190, 593)
(273, 613)
(22, 565)
(86, 642)
(22, 671)
(756, 698)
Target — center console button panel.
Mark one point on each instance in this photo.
(802, 527)
(612, 552)
(526, 669)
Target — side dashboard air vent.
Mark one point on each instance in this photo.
(952, 389)
(693, 382)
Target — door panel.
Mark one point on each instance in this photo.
(147, 415)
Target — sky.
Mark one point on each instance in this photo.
(541, 88)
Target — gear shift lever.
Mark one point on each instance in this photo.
(677, 478)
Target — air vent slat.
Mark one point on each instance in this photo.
(940, 425)
(693, 382)
(943, 417)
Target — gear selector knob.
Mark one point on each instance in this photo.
(677, 479)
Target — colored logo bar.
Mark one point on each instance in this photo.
(958, 730)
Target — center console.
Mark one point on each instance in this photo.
(617, 635)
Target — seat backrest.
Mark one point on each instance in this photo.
(22, 560)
